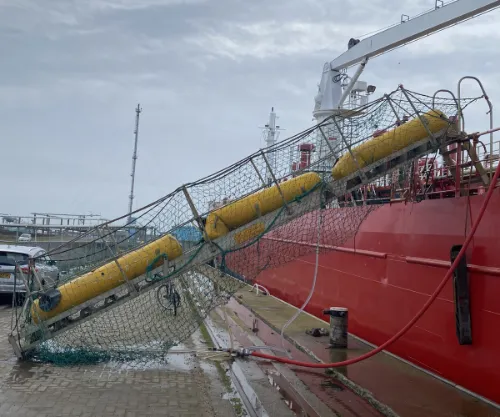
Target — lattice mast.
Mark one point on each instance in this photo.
(138, 111)
(271, 134)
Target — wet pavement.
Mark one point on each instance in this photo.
(182, 387)
(318, 393)
(404, 389)
(188, 384)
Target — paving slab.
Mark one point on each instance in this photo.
(182, 387)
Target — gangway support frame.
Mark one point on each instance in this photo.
(193, 260)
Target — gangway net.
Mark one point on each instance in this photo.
(135, 286)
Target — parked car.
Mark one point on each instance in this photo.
(12, 255)
(25, 237)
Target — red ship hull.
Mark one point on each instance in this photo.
(388, 270)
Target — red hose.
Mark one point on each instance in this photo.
(417, 316)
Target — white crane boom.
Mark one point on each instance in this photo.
(331, 96)
(411, 30)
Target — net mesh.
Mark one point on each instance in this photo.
(126, 289)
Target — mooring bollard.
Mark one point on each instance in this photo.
(338, 326)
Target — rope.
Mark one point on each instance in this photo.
(313, 286)
(412, 322)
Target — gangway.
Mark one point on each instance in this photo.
(331, 117)
(38, 331)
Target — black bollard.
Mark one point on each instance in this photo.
(338, 326)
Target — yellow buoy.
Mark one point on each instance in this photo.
(382, 146)
(109, 276)
(241, 212)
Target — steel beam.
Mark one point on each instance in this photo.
(411, 30)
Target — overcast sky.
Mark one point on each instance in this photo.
(206, 74)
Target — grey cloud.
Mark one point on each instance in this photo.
(206, 74)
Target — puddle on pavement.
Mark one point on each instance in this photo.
(339, 355)
(178, 358)
(215, 371)
(292, 401)
(24, 371)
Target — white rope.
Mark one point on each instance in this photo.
(313, 286)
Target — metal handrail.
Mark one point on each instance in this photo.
(490, 106)
(459, 108)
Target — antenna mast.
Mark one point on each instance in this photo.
(138, 111)
(271, 133)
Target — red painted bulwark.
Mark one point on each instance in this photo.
(386, 273)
